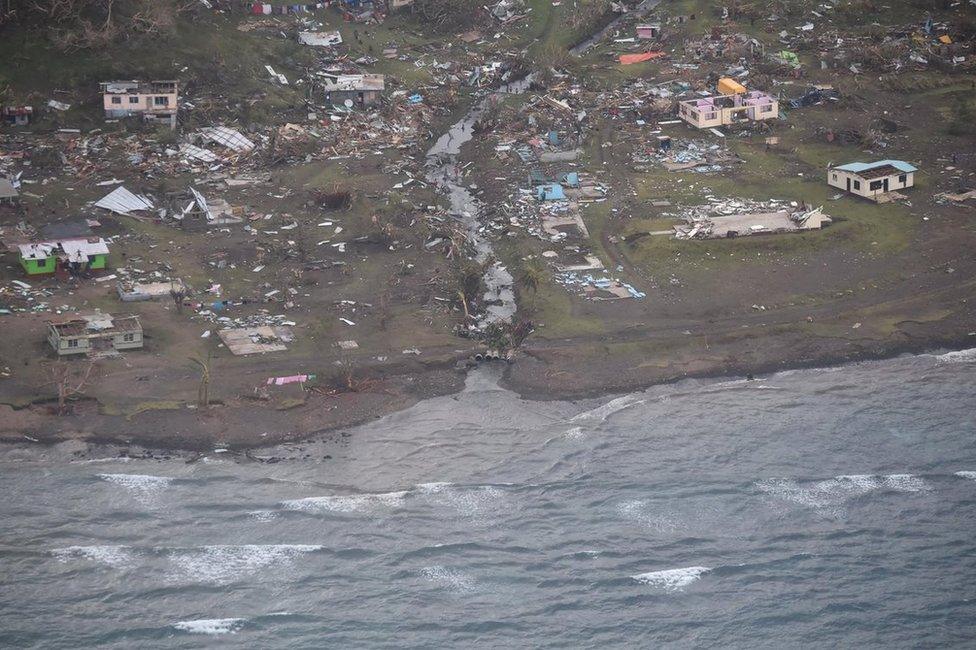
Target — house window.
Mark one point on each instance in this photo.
(833, 177)
(72, 343)
(766, 109)
(857, 185)
(161, 101)
(134, 100)
(129, 338)
(116, 100)
(876, 185)
(903, 179)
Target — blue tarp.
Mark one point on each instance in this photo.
(570, 179)
(550, 192)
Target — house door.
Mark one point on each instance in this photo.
(886, 185)
(848, 184)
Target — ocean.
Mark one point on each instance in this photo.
(812, 508)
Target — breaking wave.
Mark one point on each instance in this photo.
(211, 626)
(114, 556)
(837, 490)
(672, 579)
(966, 474)
(959, 356)
(224, 564)
(143, 487)
(613, 406)
(347, 503)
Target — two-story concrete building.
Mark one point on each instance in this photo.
(722, 110)
(155, 101)
(872, 180)
(95, 333)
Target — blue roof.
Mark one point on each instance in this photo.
(857, 167)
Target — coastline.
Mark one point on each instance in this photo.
(240, 427)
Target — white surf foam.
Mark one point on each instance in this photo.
(613, 406)
(469, 501)
(143, 487)
(449, 579)
(639, 512)
(837, 490)
(959, 356)
(967, 474)
(574, 433)
(905, 483)
(672, 579)
(347, 503)
(263, 515)
(224, 564)
(114, 556)
(211, 626)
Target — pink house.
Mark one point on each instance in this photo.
(720, 110)
(155, 100)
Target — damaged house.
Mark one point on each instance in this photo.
(94, 334)
(74, 256)
(17, 115)
(723, 110)
(872, 180)
(194, 211)
(155, 101)
(354, 89)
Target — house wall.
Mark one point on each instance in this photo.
(338, 97)
(96, 262)
(862, 187)
(121, 344)
(37, 267)
(704, 118)
(62, 346)
(137, 103)
(84, 342)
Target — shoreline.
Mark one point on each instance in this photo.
(330, 417)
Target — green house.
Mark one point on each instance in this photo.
(78, 254)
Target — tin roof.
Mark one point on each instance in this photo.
(858, 167)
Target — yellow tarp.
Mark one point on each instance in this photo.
(945, 39)
(728, 86)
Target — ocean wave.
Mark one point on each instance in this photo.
(449, 579)
(837, 490)
(211, 626)
(143, 487)
(904, 483)
(672, 579)
(613, 406)
(347, 503)
(108, 459)
(263, 515)
(958, 356)
(574, 433)
(467, 500)
(114, 556)
(966, 474)
(224, 564)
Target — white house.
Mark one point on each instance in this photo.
(872, 180)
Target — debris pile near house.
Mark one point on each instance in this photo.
(739, 218)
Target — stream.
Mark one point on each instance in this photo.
(442, 161)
